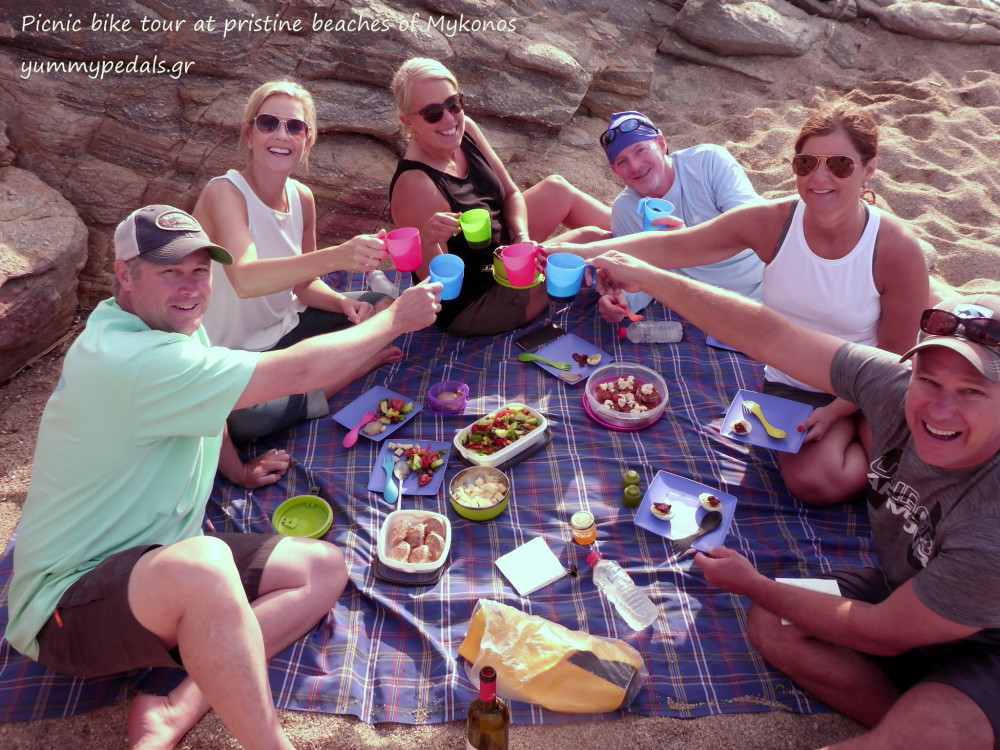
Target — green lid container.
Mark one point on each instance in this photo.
(303, 515)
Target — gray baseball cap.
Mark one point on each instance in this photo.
(163, 235)
(986, 359)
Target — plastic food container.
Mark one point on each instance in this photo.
(456, 396)
(303, 515)
(468, 476)
(617, 419)
(413, 516)
(495, 459)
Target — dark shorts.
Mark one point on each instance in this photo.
(813, 398)
(971, 665)
(99, 634)
(500, 309)
(283, 413)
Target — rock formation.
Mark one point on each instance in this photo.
(534, 72)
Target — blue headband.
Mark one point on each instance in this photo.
(626, 129)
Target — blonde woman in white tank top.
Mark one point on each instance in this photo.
(273, 293)
(835, 157)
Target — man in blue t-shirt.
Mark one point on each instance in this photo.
(111, 570)
(910, 648)
(701, 182)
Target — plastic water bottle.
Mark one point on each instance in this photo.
(379, 282)
(630, 600)
(653, 331)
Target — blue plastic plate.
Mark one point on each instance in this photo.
(563, 349)
(351, 414)
(411, 486)
(682, 493)
(781, 413)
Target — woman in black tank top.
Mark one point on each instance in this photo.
(448, 168)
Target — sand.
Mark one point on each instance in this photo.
(938, 108)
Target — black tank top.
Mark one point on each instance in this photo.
(480, 189)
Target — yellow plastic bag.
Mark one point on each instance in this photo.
(541, 662)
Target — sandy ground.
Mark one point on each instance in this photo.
(938, 108)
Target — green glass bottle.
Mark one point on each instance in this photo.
(489, 719)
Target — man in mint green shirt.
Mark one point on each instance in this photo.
(111, 570)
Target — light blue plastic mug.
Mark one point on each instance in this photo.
(652, 209)
(450, 271)
(563, 275)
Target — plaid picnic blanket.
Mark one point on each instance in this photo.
(389, 653)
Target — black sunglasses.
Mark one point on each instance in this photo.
(268, 124)
(985, 331)
(840, 167)
(433, 113)
(625, 126)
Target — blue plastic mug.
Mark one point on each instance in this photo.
(652, 209)
(563, 275)
(450, 271)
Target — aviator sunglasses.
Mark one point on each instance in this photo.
(433, 113)
(985, 331)
(626, 126)
(840, 167)
(268, 124)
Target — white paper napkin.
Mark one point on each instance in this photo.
(531, 566)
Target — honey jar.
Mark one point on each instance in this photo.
(584, 527)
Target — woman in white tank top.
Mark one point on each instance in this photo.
(273, 294)
(833, 263)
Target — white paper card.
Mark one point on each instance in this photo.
(823, 585)
(531, 566)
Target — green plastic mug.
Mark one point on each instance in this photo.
(477, 227)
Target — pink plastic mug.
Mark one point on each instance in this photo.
(404, 247)
(519, 262)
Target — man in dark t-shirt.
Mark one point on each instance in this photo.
(910, 649)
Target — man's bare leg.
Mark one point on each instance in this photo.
(300, 584)
(842, 678)
(929, 716)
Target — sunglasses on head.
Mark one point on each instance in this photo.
(840, 167)
(625, 126)
(433, 113)
(268, 124)
(985, 331)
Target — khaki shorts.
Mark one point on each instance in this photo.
(96, 633)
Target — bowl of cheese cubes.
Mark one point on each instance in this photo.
(480, 493)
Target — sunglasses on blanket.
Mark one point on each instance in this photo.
(985, 331)
(268, 124)
(433, 113)
(625, 126)
(840, 167)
